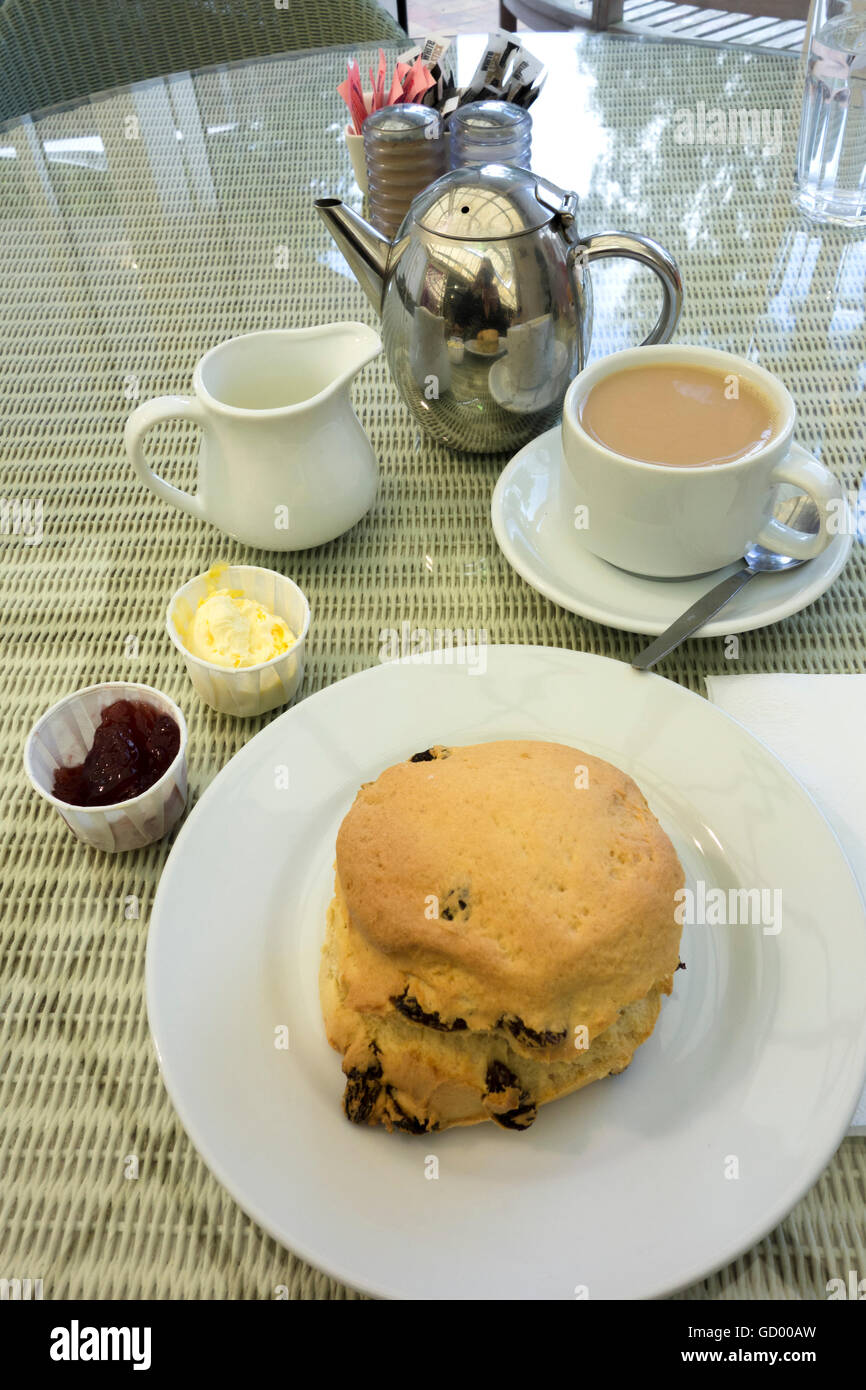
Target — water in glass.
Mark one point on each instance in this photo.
(831, 156)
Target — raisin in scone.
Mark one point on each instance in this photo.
(502, 931)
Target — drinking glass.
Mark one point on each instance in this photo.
(831, 153)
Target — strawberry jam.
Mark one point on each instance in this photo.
(133, 746)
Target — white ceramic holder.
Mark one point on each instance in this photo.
(355, 146)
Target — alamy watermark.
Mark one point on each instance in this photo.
(77, 1343)
(22, 517)
(20, 1290)
(852, 1288)
(846, 515)
(443, 646)
(738, 907)
(757, 128)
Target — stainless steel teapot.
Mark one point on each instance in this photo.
(486, 300)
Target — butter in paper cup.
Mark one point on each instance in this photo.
(249, 690)
(64, 736)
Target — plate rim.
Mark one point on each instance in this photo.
(717, 627)
(780, 1208)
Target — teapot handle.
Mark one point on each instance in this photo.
(648, 252)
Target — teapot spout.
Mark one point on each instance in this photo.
(365, 249)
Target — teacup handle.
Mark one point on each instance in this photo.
(142, 419)
(603, 245)
(809, 476)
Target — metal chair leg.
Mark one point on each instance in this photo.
(605, 13)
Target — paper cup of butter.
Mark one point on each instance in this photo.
(242, 633)
(60, 743)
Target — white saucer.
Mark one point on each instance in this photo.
(529, 398)
(532, 511)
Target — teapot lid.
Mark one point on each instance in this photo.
(487, 203)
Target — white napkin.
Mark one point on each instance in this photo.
(814, 724)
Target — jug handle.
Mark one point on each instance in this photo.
(146, 415)
(603, 245)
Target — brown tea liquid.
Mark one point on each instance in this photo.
(676, 414)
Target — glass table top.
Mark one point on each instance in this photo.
(142, 227)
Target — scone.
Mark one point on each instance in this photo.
(502, 931)
(488, 340)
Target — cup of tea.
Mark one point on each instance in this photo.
(676, 452)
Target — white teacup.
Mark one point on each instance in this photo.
(284, 463)
(669, 521)
(428, 352)
(530, 352)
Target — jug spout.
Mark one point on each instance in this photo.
(366, 250)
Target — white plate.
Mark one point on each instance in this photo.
(759, 1054)
(471, 346)
(533, 521)
(526, 398)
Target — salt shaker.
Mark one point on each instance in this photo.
(491, 132)
(405, 150)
